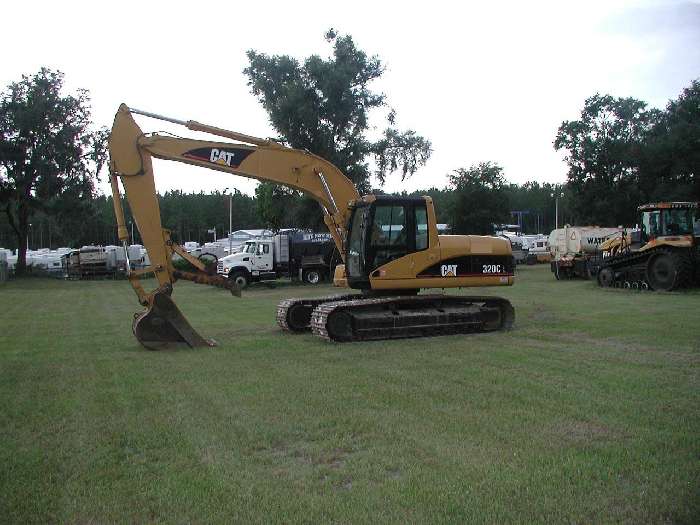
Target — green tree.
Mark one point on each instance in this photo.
(279, 207)
(604, 150)
(323, 106)
(670, 164)
(48, 155)
(480, 198)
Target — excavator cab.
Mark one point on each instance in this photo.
(382, 229)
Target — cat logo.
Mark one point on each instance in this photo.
(230, 157)
(221, 156)
(448, 270)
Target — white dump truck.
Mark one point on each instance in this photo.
(308, 256)
(575, 250)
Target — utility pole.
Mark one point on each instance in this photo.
(556, 208)
(230, 220)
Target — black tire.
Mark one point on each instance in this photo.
(240, 278)
(667, 271)
(312, 276)
(606, 277)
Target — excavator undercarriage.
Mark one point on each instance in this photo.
(349, 318)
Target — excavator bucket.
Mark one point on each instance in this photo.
(162, 326)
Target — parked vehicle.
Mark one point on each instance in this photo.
(538, 250)
(576, 251)
(390, 267)
(518, 246)
(664, 254)
(295, 254)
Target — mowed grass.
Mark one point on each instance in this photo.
(588, 411)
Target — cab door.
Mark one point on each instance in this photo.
(402, 243)
(262, 260)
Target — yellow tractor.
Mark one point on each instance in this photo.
(389, 245)
(663, 254)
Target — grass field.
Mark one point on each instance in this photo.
(588, 411)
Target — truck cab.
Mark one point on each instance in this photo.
(255, 262)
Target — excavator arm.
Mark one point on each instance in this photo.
(131, 152)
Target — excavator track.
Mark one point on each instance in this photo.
(409, 316)
(294, 315)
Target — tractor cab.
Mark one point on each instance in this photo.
(676, 222)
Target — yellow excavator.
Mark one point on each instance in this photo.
(389, 245)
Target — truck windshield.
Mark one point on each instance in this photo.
(249, 247)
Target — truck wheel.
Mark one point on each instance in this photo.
(606, 277)
(240, 278)
(312, 276)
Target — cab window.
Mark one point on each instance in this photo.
(677, 222)
(356, 250)
(388, 237)
(421, 222)
(651, 224)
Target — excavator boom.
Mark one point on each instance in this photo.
(131, 151)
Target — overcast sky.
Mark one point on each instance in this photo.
(484, 81)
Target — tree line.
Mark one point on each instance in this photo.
(619, 153)
(191, 216)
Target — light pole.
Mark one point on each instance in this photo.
(556, 208)
(230, 221)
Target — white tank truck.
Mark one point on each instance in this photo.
(576, 249)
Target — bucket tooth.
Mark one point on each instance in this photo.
(162, 326)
